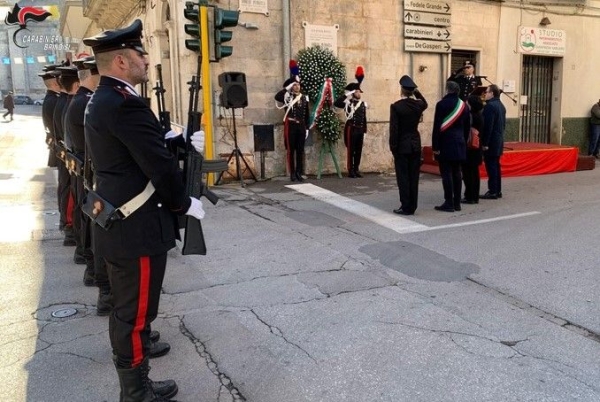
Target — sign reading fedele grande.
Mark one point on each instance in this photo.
(542, 41)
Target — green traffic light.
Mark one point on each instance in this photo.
(192, 29)
(226, 18)
(223, 51)
(193, 45)
(190, 12)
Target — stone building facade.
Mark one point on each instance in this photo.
(548, 91)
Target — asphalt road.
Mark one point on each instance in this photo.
(317, 292)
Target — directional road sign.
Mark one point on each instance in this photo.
(424, 32)
(426, 46)
(415, 17)
(427, 6)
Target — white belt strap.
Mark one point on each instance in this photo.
(136, 202)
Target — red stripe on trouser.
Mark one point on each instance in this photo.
(286, 139)
(70, 207)
(348, 132)
(142, 309)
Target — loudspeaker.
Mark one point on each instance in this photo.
(234, 93)
(264, 137)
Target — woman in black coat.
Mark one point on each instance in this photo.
(470, 168)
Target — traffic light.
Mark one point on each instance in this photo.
(224, 19)
(191, 13)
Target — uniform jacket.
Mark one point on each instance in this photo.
(48, 113)
(595, 118)
(358, 118)
(299, 111)
(57, 116)
(405, 115)
(467, 84)
(494, 121)
(127, 149)
(451, 143)
(74, 120)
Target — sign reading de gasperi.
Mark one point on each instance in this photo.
(549, 42)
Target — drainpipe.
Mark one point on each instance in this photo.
(287, 45)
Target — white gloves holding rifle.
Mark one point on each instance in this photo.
(197, 140)
(195, 209)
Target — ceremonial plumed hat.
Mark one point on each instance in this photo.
(125, 38)
(407, 83)
(355, 86)
(469, 63)
(294, 75)
(49, 71)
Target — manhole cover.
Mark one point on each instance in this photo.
(64, 312)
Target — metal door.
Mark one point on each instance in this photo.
(537, 87)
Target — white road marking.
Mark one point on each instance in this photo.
(383, 218)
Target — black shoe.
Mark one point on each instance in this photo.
(104, 305)
(489, 196)
(293, 177)
(164, 389)
(79, 259)
(69, 242)
(351, 174)
(400, 211)
(154, 336)
(457, 207)
(444, 208)
(466, 201)
(299, 177)
(88, 277)
(357, 174)
(136, 386)
(158, 349)
(500, 194)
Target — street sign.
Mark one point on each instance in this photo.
(427, 6)
(423, 32)
(426, 46)
(414, 17)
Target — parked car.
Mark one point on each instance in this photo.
(23, 100)
(38, 102)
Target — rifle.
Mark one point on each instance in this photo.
(193, 242)
(164, 117)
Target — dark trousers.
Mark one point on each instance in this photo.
(8, 112)
(407, 177)
(472, 180)
(451, 181)
(295, 136)
(353, 139)
(492, 167)
(136, 285)
(65, 198)
(77, 191)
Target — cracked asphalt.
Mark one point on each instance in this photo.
(298, 300)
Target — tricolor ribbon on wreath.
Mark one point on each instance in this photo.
(325, 97)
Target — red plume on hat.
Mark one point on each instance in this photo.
(360, 74)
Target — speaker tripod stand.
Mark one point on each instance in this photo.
(238, 155)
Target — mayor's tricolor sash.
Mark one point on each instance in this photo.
(451, 118)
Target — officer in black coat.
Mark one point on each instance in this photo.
(127, 149)
(405, 143)
(68, 81)
(355, 128)
(52, 92)
(466, 79)
(73, 123)
(295, 124)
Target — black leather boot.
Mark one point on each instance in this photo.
(158, 349)
(88, 276)
(137, 387)
(154, 336)
(104, 304)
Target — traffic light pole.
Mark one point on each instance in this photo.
(206, 90)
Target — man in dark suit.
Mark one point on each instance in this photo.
(451, 127)
(466, 79)
(405, 143)
(136, 173)
(492, 141)
(52, 91)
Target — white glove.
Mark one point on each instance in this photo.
(171, 134)
(306, 136)
(195, 209)
(197, 141)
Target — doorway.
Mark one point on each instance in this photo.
(536, 79)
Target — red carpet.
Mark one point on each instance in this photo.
(522, 159)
